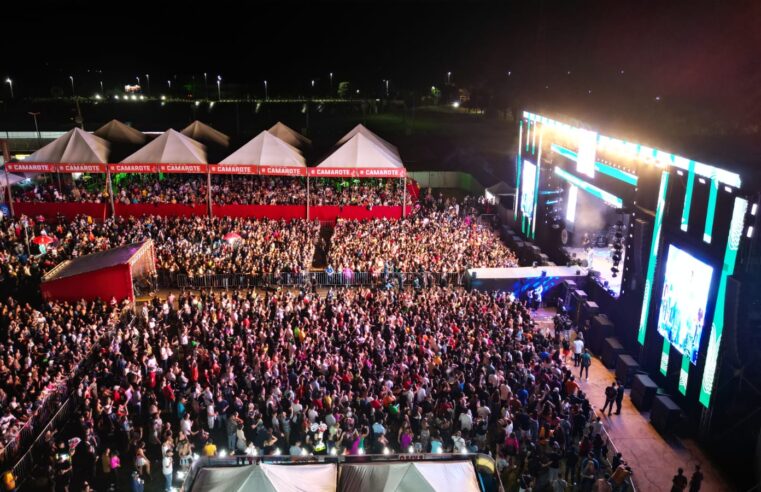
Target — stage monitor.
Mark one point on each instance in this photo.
(683, 303)
(528, 188)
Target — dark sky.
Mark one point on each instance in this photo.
(703, 53)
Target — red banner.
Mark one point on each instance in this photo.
(30, 167)
(133, 168)
(370, 172)
(282, 171)
(288, 212)
(81, 168)
(183, 168)
(331, 172)
(165, 209)
(69, 210)
(232, 169)
(353, 212)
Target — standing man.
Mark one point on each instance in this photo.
(610, 397)
(620, 399)
(696, 480)
(578, 349)
(679, 482)
(586, 361)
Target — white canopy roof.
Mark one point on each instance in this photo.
(171, 147)
(75, 146)
(267, 478)
(361, 151)
(117, 132)
(500, 188)
(203, 132)
(372, 136)
(266, 149)
(289, 136)
(12, 179)
(409, 477)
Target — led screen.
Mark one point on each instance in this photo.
(683, 304)
(528, 188)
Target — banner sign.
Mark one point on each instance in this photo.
(331, 172)
(183, 168)
(81, 168)
(232, 169)
(380, 173)
(133, 168)
(30, 167)
(282, 171)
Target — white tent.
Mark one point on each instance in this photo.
(267, 478)
(361, 151)
(75, 147)
(171, 147)
(12, 179)
(372, 136)
(289, 136)
(266, 149)
(117, 132)
(203, 132)
(409, 477)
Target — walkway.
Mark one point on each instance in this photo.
(653, 459)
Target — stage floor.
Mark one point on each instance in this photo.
(602, 262)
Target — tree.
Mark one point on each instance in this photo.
(343, 90)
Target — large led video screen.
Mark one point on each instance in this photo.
(528, 188)
(683, 304)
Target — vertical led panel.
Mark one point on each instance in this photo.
(665, 356)
(727, 269)
(688, 196)
(711, 212)
(585, 162)
(684, 373)
(653, 257)
(536, 190)
(573, 195)
(518, 170)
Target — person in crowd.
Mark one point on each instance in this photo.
(679, 482)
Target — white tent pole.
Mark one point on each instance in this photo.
(8, 187)
(110, 191)
(307, 194)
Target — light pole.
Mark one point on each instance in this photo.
(219, 88)
(71, 77)
(386, 81)
(266, 94)
(331, 83)
(148, 82)
(36, 128)
(10, 83)
(449, 78)
(101, 88)
(138, 80)
(206, 85)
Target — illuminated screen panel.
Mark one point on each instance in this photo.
(528, 188)
(683, 304)
(585, 163)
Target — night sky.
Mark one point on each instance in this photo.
(699, 55)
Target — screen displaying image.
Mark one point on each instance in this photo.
(528, 187)
(683, 304)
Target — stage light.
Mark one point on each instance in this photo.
(386, 450)
(277, 452)
(750, 232)
(333, 452)
(180, 474)
(754, 209)
(223, 453)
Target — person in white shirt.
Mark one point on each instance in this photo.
(458, 442)
(466, 421)
(578, 349)
(167, 467)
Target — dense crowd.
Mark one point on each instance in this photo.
(258, 190)
(354, 371)
(360, 192)
(170, 188)
(80, 191)
(445, 237)
(41, 350)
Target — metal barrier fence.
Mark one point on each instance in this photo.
(37, 450)
(320, 279)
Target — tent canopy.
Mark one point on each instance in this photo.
(501, 188)
(361, 151)
(372, 136)
(409, 477)
(12, 179)
(267, 478)
(171, 147)
(289, 136)
(117, 132)
(75, 147)
(204, 133)
(266, 149)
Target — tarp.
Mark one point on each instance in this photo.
(289, 136)
(117, 132)
(75, 146)
(372, 136)
(361, 151)
(105, 275)
(202, 132)
(267, 478)
(171, 147)
(268, 151)
(409, 477)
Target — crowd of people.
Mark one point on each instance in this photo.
(258, 190)
(79, 191)
(170, 188)
(359, 192)
(41, 350)
(443, 237)
(353, 371)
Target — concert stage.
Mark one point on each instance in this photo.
(521, 280)
(602, 262)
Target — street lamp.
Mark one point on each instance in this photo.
(10, 83)
(386, 81)
(71, 77)
(313, 83)
(206, 85)
(169, 83)
(266, 94)
(219, 88)
(449, 77)
(148, 82)
(331, 82)
(36, 128)
(101, 87)
(138, 80)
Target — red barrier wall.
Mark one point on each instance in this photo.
(166, 209)
(69, 210)
(288, 212)
(105, 284)
(333, 212)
